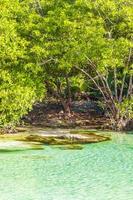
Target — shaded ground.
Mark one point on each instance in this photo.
(85, 114)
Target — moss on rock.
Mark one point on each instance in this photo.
(67, 139)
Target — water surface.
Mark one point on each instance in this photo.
(102, 171)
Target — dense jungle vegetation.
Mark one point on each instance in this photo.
(64, 47)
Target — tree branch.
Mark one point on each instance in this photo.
(105, 85)
(124, 77)
(99, 88)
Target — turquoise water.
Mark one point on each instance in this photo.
(102, 171)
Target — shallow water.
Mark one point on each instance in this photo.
(102, 171)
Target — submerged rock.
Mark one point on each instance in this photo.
(68, 138)
(71, 147)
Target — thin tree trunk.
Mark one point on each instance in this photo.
(107, 90)
(122, 88)
(111, 97)
(99, 88)
(65, 102)
(106, 87)
(124, 77)
(93, 80)
(39, 7)
(130, 86)
(69, 98)
(115, 84)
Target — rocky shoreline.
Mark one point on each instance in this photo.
(84, 114)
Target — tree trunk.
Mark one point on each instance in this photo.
(66, 107)
(119, 122)
(66, 102)
(112, 102)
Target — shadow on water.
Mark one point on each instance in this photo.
(130, 132)
(37, 157)
(19, 150)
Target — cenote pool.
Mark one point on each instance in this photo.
(100, 171)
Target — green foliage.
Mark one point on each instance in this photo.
(95, 37)
(20, 85)
(50, 41)
(126, 108)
